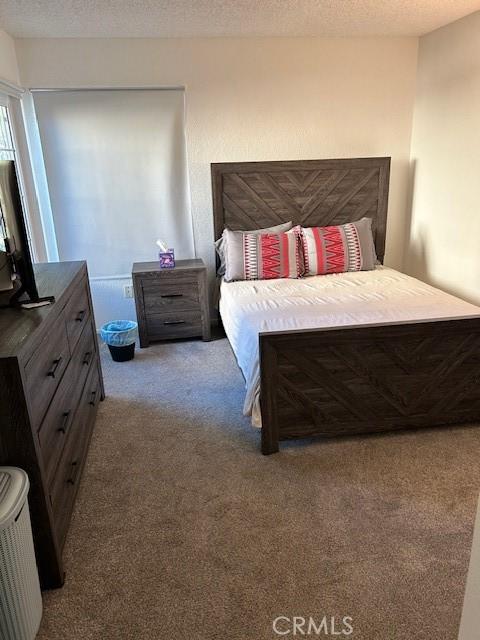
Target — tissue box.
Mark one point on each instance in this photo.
(167, 259)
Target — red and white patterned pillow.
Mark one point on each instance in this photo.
(220, 243)
(263, 256)
(346, 247)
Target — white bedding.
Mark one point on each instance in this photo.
(364, 297)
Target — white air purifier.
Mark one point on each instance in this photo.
(20, 597)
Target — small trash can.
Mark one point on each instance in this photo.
(20, 597)
(119, 336)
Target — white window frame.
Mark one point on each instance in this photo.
(30, 166)
(4, 105)
(11, 97)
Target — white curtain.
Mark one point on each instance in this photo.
(116, 169)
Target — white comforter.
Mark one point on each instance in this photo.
(365, 297)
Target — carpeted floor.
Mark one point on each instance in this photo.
(183, 530)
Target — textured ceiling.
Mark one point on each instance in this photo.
(204, 18)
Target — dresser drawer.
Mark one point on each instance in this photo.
(85, 352)
(45, 369)
(64, 486)
(77, 313)
(170, 297)
(57, 423)
(174, 325)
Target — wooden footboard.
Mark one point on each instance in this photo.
(363, 379)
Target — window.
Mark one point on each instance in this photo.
(117, 174)
(7, 152)
(116, 166)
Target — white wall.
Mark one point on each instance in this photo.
(445, 226)
(259, 99)
(8, 59)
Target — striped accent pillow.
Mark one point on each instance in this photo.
(263, 256)
(347, 247)
(220, 243)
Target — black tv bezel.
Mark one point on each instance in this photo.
(21, 258)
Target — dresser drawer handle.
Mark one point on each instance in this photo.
(63, 428)
(80, 315)
(53, 370)
(93, 395)
(87, 357)
(174, 322)
(172, 295)
(73, 475)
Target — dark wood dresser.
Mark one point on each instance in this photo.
(50, 386)
(171, 303)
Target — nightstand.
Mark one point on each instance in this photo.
(171, 303)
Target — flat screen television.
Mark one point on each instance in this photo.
(17, 276)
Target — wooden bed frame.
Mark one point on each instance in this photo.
(356, 379)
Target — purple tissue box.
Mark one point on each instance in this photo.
(167, 260)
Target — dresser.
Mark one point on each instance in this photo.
(51, 384)
(171, 303)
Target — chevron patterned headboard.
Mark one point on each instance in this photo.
(254, 195)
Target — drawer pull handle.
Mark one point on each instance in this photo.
(172, 295)
(92, 398)
(86, 357)
(73, 477)
(174, 322)
(63, 428)
(80, 316)
(53, 370)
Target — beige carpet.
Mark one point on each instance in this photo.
(184, 530)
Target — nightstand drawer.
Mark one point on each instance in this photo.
(174, 325)
(170, 296)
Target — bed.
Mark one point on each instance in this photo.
(345, 353)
